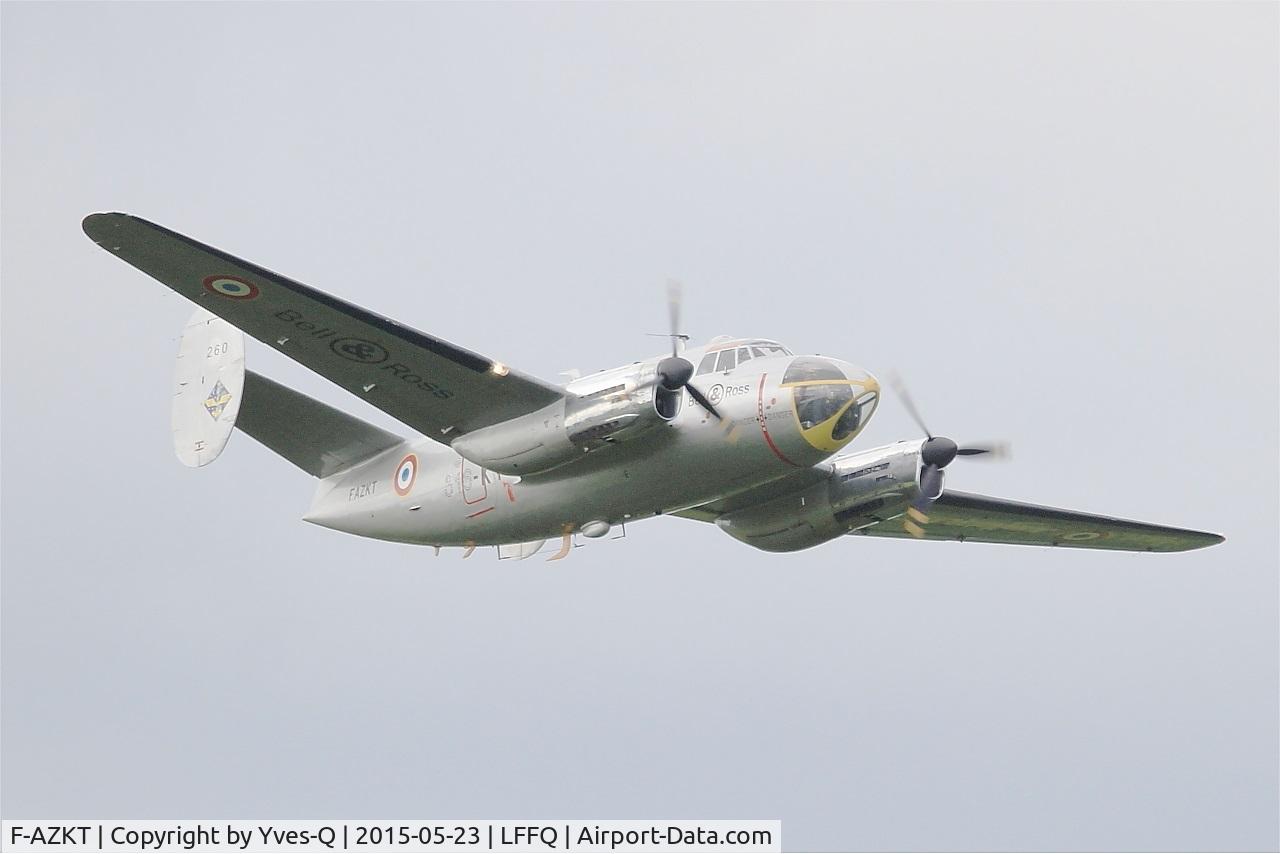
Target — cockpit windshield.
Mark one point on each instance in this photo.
(830, 406)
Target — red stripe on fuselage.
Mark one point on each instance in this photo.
(764, 429)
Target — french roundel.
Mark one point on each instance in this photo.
(230, 286)
(406, 474)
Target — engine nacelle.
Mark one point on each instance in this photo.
(861, 490)
(562, 432)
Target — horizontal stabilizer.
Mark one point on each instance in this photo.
(312, 435)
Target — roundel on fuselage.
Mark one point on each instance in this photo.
(831, 403)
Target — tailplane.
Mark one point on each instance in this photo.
(312, 435)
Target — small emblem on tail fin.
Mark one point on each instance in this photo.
(217, 400)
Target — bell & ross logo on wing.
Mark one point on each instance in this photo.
(359, 350)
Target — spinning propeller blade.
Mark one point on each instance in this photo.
(991, 450)
(675, 301)
(936, 454)
(900, 388)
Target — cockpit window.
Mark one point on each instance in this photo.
(728, 359)
(804, 370)
(855, 416)
(817, 403)
(769, 348)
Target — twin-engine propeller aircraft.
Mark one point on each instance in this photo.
(740, 432)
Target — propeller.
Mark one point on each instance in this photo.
(675, 371)
(936, 454)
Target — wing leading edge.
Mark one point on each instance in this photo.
(437, 388)
(977, 518)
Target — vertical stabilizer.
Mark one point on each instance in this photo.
(208, 387)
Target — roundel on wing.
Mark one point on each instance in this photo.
(230, 286)
(406, 474)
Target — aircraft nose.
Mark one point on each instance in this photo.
(833, 400)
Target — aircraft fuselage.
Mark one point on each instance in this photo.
(780, 414)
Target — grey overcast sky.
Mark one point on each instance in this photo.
(1059, 221)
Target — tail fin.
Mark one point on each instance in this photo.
(208, 385)
(312, 435)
